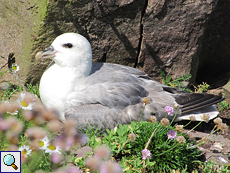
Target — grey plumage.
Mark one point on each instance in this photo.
(112, 90)
(106, 95)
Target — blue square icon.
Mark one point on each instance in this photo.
(10, 161)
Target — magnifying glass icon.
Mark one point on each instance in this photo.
(9, 160)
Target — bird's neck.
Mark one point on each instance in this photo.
(78, 71)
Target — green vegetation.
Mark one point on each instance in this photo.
(178, 82)
(138, 147)
(167, 154)
(223, 106)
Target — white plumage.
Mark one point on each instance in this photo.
(106, 94)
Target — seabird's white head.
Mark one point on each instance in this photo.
(72, 55)
(70, 50)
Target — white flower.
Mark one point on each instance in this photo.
(25, 150)
(44, 143)
(26, 101)
(15, 68)
(48, 147)
(53, 149)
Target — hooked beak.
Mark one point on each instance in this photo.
(48, 52)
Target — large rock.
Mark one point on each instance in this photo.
(214, 54)
(177, 36)
(19, 22)
(112, 27)
(192, 36)
(172, 31)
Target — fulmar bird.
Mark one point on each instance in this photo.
(105, 94)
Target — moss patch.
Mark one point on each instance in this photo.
(20, 22)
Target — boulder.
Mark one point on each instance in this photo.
(112, 28)
(20, 22)
(172, 33)
(176, 36)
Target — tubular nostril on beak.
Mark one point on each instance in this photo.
(48, 52)
(51, 48)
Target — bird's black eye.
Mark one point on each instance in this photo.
(68, 45)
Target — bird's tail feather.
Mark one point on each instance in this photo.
(212, 111)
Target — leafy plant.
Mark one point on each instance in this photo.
(178, 82)
(11, 89)
(165, 79)
(223, 106)
(167, 154)
(211, 167)
(202, 87)
(34, 89)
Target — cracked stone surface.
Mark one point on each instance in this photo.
(176, 36)
(152, 35)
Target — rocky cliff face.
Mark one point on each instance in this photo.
(19, 23)
(176, 36)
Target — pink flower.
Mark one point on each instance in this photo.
(84, 139)
(72, 169)
(146, 154)
(132, 137)
(102, 152)
(110, 167)
(56, 157)
(172, 134)
(169, 110)
(3, 124)
(93, 163)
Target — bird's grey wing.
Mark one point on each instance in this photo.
(112, 95)
(118, 86)
(94, 115)
(118, 90)
(105, 105)
(104, 72)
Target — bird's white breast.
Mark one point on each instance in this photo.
(56, 83)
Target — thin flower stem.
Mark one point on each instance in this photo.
(166, 115)
(20, 81)
(147, 144)
(173, 118)
(194, 127)
(187, 124)
(216, 136)
(2, 73)
(200, 141)
(142, 113)
(143, 166)
(213, 131)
